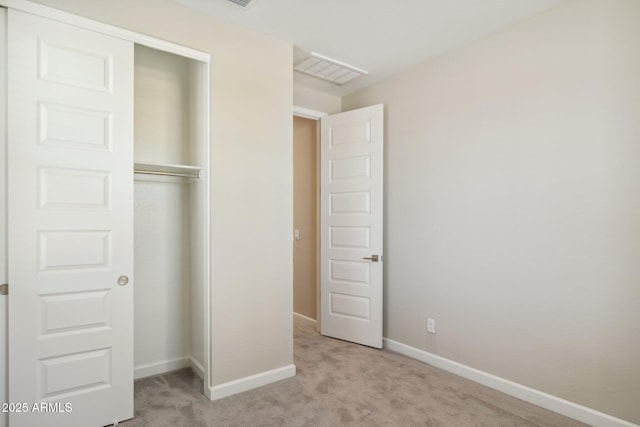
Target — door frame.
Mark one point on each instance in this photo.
(205, 143)
(307, 113)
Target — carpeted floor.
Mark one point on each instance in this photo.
(339, 383)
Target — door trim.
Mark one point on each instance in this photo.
(308, 113)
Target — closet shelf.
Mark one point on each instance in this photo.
(181, 171)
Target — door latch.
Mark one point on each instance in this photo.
(373, 258)
(4, 289)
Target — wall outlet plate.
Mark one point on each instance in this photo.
(431, 326)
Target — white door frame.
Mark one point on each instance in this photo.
(308, 113)
(141, 39)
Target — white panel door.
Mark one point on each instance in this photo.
(70, 161)
(351, 226)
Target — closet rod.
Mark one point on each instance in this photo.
(183, 175)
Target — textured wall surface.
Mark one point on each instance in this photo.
(513, 204)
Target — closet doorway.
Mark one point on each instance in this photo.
(170, 213)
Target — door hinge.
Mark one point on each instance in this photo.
(4, 289)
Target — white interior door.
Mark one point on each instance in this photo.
(351, 193)
(70, 158)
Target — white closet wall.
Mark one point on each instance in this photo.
(168, 295)
(162, 279)
(161, 100)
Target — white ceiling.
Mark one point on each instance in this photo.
(380, 36)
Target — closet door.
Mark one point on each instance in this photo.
(70, 157)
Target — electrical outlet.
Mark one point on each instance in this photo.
(431, 326)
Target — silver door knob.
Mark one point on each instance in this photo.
(123, 280)
(373, 258)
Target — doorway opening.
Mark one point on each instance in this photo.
(306, 243)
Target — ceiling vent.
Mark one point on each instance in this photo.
(242, 3)
(328, 69)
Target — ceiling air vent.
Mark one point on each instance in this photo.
(242, 3)
(328, 69)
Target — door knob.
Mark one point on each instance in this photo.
(123, 280)
(373, 258)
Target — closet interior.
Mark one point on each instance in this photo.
(170, 213)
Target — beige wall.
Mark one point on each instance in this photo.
(251, 177)
(305, 195)
(317, 101)
(513, 204)
(161, 98)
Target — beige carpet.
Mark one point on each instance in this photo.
(339, 383)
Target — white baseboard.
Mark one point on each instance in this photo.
(302, 316)
(197, 367)
(161, 367)
(247, 383)
(544, 400)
